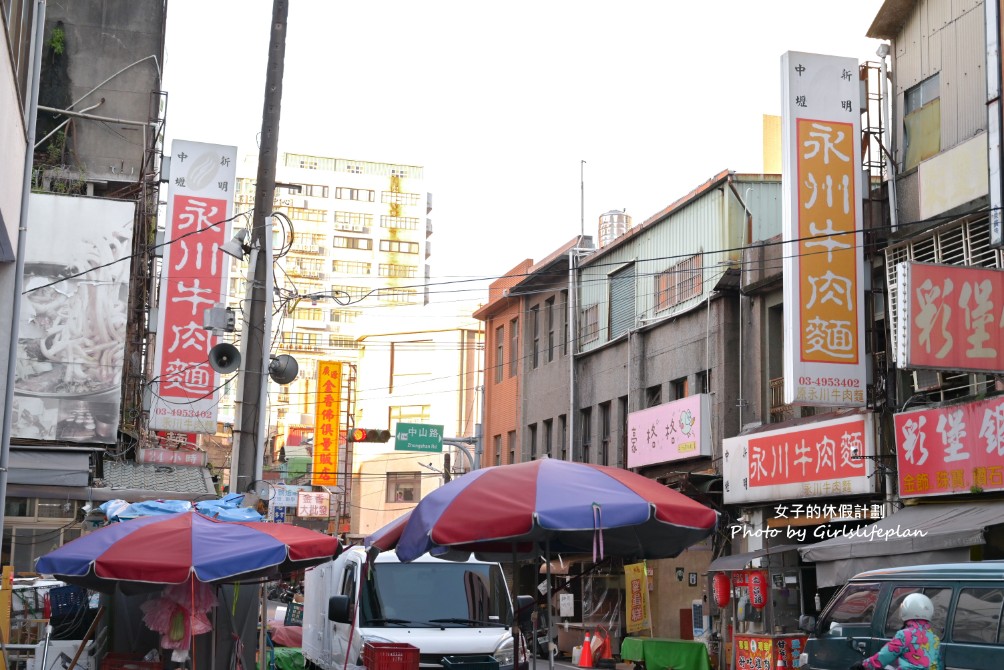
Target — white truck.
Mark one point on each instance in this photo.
(445, 608)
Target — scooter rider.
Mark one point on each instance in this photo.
(915, 646)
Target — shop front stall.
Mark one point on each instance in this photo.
(760, 608)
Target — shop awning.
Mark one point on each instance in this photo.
(57, 466)
(740, 561)
(924, 533)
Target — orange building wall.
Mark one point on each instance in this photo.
(502, 399)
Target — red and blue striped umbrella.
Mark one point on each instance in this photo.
(560, 506)
(172, 548)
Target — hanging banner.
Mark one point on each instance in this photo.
(636, 585)
(327, 422)
(72, 334)
(824, 352)
(185, 389)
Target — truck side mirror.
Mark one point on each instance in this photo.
(338, 609)
(807, 623)
(524, 609)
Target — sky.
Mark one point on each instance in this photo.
(502, 102)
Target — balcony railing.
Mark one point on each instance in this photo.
(779, 411)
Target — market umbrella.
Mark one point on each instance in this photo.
(154, 551)
(534, 508)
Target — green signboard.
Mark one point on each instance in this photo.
(418, 437)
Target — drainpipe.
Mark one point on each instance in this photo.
(883, 52)
(31, 115)
(573, 336)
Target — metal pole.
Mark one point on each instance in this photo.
(255, 370)
(31, 113)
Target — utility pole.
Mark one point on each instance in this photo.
(255, 372)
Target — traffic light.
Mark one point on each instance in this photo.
(370, 435)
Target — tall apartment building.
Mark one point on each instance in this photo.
(359, 243)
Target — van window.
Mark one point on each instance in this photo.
(349, 585)
(855, 606)
(941, 598)
(978, 616)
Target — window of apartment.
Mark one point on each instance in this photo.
(533, 442)
(513, 347)
(395, 270)
(653, 395)
(398, 296)
(363, 194)
(511, 438)
(305, 267)
(679, 283)
(399, 247)
(922, 121)
(410, 414)
(605, 433)
(399, 222)
(308, 314)
(349, 292)
(590, 323)
(679, 387)
(404, 487)
(535, 336)
(398, 198)
(621, 306)
(304, 214)
(564, 323)
(549, 309)
(563, 428)
(703, 381)
(345, 315)
(342, 242)
(409, 363)
(299, 340)
(339, 342)
(27, 545)
(497, 442)
(548, 437)
(586, 432)
(351, 267)
(17, 16)
(353, 222)
(312, 190)
(499, 353)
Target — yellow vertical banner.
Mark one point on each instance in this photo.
(636, 585)
(327, 414)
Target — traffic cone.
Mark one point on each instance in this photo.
(586, 656)
(781, 665)
(607, 654)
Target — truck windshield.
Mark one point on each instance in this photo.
(446, 593)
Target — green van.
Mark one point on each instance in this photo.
(864, 615)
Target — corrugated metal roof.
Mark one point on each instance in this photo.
(154, 477)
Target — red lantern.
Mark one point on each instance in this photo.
(722, 586)
(758, 589)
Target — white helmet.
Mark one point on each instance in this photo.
(916, 606)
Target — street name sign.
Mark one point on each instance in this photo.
(418, 437)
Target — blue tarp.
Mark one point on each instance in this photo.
(227, 508)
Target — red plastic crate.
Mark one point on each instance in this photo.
(390, 656)
(126, 661)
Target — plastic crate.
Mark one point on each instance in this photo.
(66, 600)
(125, 661)
(391, 656)
(294, 614)
(470, 663)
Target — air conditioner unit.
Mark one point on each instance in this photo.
(927, 380)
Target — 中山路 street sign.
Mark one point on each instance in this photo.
(418, 437)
